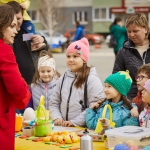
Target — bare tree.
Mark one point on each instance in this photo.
(51, 15)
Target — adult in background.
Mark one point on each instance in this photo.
(13, 89)
(136, 50)
(119, 32)
(79, 32)
(22, 49)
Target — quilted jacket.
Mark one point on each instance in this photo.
(128, 58)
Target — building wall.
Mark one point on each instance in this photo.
(75, 3)
(106, 3)
(101, 25)
(137, 3)
(70, 11)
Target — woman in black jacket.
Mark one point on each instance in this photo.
(135, 51)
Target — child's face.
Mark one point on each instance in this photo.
(111, 93)
(74, 62)
(46, 73)
(145, 96)
(140, 80)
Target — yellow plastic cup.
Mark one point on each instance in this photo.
(18, 123)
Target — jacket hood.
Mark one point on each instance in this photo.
(72, 74)
(128, 44)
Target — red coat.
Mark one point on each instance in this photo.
(13, 94)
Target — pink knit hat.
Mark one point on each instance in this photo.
(147, 85)
(80, 47)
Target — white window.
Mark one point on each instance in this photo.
(101, 14)
(34, 14)
(80, 16)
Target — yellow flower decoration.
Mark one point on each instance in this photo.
(126, 73)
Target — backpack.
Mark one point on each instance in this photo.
(112, 42)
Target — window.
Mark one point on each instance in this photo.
(34, 15)
(81, 16)
(101, 14)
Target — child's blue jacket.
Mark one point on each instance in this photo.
(121, 115)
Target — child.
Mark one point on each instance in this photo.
(44, 80)
(117, 86)
(143, 74)
(27, 25)
(77, 89)
(144, 117)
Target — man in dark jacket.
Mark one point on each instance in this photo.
(79, 32)
(22, 49)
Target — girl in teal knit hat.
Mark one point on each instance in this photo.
(117, 86)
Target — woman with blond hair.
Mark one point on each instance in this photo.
(136, 50)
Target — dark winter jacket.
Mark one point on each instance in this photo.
(25, 57)
(128, 58)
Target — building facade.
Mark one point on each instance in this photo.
(96, 15)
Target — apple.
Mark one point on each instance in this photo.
(50, 134)
(50, 137)
(61, 140)
(63, 135)
(54, 138)
(67, 139)
(46, 139)
(64, 132)
(55, 133)
(59, 133)
(75, 138)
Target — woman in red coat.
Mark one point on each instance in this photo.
(13, 89)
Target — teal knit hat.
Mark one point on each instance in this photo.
(121, 81)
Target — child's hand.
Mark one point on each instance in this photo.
(96, 104)
(58, 122)
(134, 112)
(67, 124)
(23, 6)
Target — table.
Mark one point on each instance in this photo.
(23, 144)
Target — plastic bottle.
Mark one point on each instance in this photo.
(86, 141)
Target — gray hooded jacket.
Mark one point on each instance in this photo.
(45, 89)
(58, 104)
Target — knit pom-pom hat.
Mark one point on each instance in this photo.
(121, 81)
(81, 48)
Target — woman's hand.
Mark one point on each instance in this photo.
(37, 39)
(58, 122)
(134, 112)
(67, 124)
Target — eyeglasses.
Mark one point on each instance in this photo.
(140, 77)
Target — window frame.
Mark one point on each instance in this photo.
(100, 19)
(37, 20)
(82, 21)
